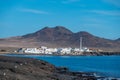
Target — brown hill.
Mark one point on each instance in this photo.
(90, 40)
(50, 34)
(118, 40)
(63, 37)
(58, 37)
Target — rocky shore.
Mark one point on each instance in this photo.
(14, 68)
(100, 53)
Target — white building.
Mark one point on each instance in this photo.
(50, 50)
(64, 50)
(32, 50)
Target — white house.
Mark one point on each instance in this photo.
(32, 50)
(64, 50)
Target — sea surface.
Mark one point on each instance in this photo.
(108, 66)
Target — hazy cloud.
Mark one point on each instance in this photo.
(104, 12)
(34, 11)
(64, 1)
(113, 2)
(69, 1)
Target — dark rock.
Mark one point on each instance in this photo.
(16, 68)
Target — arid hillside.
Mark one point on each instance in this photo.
(59, 37)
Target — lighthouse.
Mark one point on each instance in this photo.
(80, 44)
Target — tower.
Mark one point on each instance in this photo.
(80, 43)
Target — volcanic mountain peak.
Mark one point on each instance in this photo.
(118, 40)
(59, 36)
(84, 33)
(44, 29)
(59, 29)
(50, 34)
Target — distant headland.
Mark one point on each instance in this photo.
(59, 37)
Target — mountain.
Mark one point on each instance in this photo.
(60, 36)
(118, 39)
(50, 34)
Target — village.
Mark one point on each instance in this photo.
(59, 51)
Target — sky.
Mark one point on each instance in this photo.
(98, 17)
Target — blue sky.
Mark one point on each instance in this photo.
(99, 17)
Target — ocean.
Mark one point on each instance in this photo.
(107, 66)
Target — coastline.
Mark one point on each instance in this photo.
(19, 66)
(56, 54)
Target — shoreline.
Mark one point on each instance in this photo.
(83, 54)
(17, 65)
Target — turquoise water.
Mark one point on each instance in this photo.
(108, 66)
